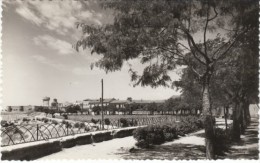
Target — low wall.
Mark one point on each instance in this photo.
(34, 150)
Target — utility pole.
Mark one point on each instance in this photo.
(102, 114)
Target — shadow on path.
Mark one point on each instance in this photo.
(248, 146)
(168, 152)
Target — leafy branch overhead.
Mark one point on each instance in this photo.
(163, 34)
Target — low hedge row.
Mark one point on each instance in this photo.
(158, 134)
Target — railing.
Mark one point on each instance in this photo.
(37, 130)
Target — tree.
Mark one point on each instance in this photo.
(151, 107)
(46, 110)
(162, 33)
(21, 108)
(9, 109)
(111, 108)
(96, 109)
(171, 104)
(39, 109)
(73, 109)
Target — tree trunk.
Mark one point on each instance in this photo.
(247, 114)
(242, 117)
(236, 123)
(208, 122)
(225, 115)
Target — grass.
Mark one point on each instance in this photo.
(87, 118)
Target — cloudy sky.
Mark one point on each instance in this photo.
(38, 58)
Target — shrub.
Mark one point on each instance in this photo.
(65, 116)
(94, 121)
(4, 123)
(169, 132)
(124, 122)
(25, 120)
(45, 120)
(68, 125)
(158, 134)
(87, 129)
(54, 122)
(76, 125)
(148, 136)
(63, 122)
(82, 125)
(142, 144)
(107, 121)
(132, 122)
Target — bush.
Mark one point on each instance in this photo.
(63, 122)
(4, 123)
(82, 125)
(54, 122)
(107, 121)
(45, 120)
(65, 116)
(148, 136)
(158, 134)
(94, 121)
(87, 129)
(68, 125)
(169, 133)
(124, 122)
(25, 120)
(76, 125)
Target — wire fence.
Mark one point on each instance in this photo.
(36, 130)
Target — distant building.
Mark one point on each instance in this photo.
(106, 102)
(46, 101)
(20, 108)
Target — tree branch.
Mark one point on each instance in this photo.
(229, 47)
(216, 14)
(191, 41)
(205, 30)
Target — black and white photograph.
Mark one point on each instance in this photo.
(129, 80)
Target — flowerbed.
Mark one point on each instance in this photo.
(158, 134)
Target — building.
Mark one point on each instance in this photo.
(46, 101)
(106, 102)
(86, 105)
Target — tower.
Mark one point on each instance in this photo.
(46, 101)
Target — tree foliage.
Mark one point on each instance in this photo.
(161, 33)
(199, 34)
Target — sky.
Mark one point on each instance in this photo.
(39, 59)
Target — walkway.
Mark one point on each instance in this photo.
(188, 147)
(248, 147)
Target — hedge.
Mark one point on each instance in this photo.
(158, 134)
